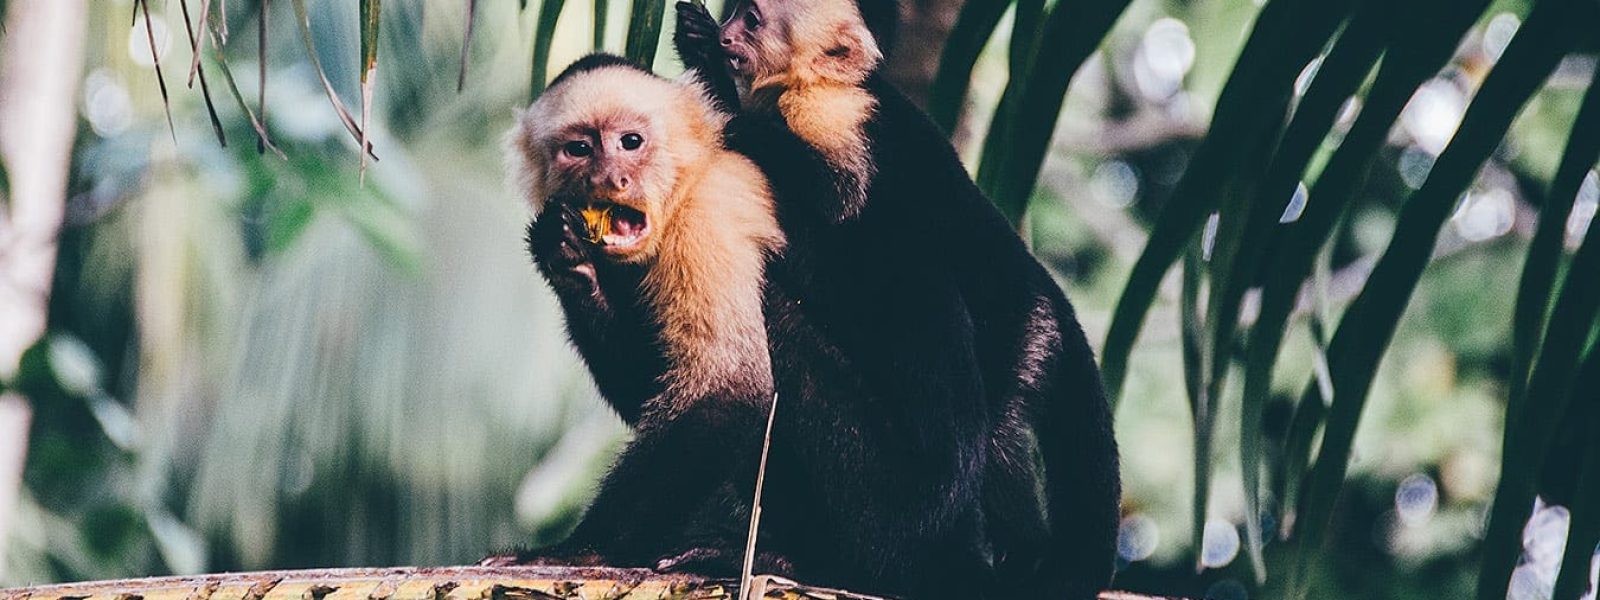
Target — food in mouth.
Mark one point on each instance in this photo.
(613, 225)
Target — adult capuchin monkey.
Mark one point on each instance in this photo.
(896, 241)
(872, 483)
(635, 194)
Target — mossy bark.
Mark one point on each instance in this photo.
(441, 583)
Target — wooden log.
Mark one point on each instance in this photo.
(441, 583)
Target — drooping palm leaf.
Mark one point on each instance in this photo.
(263, 9)
(1539, 270)
(263, 141)
(1584, 530)
(1550, 384)
(205, 88)
(155, 56)
(1369, 324)
(1339, 76)
(1201, 407)
(371, 14)
(303, 19)
(196, 41)
(644, 31)
(972, 31)
(1025, 39)
(543, 35)
(1414, 55)
(602, 12)
(1068, 35)
(466, 43)
(1286, 35)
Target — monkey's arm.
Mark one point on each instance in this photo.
(699, 49)
(611, 332)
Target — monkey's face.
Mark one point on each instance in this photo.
(604, 167)
(755, 38)
(790, 42)
(615, 143)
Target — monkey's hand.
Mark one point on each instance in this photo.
(698, 37)
(562, 256)
(698, 40)
(725, 562)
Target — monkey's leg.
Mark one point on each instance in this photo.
(671, 468)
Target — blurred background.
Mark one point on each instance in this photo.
(284, 359)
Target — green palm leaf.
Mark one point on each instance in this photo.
(1369, 323)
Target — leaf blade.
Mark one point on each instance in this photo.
(973, 28)
(303, 20)
(644, 31)
(1369, 323)
(543, 36)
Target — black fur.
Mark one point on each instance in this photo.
(927, 272)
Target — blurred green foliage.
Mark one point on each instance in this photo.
(258, 361)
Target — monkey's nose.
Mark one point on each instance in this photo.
(613, 183)
(727, 41)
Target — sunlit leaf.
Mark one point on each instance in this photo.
(543, 35)
(1369, 323)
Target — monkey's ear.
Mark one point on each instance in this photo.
(525, 162)
(849, 54)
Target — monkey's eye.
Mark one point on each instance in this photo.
(632, 141)
(578, 149)
(752, 19)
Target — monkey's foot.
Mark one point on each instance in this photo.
(724, 562)
(551, 557)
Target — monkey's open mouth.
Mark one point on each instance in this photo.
(614, 226)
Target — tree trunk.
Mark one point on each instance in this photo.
(924, 27)
(442, 583)
(41, 63)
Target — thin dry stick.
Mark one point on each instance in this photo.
(755, 506)
(196, 41)
(155, 57)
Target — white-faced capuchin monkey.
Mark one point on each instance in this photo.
(636, 196)
(968, 350)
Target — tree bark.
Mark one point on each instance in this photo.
(40, 67)
(442, 583)
(924, 27)
(41, 63)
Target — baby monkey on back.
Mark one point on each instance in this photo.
(654, 238)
